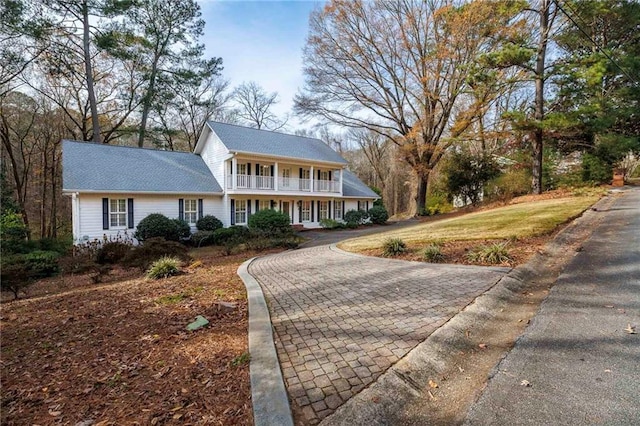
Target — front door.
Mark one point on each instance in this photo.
(286, 208)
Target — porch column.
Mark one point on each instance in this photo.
(341, 175)
(275, 178)
(234, 172)
(311, 179)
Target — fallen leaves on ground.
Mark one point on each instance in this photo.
(120, 353)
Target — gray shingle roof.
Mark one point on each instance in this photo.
(264, 142)
(354, 187)
(100, 167)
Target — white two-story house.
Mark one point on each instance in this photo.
(233, 172)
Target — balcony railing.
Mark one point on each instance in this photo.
(294, 184)
(284, 184)
(326, 186)
(251, 182)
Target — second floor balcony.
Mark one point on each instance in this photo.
(285, 184)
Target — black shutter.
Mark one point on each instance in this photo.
(130, 213)
(273, 205)
(248, 210)
(367, 205)
(329, 210)
(318, 174)
(248, 168)
(200, 208)
(272, 170)
(257, 169)
(300, 212)
(257, 206)
(105, 213)
(342, 210)
(181, 208)
(300, 172)
(330, 178)
(318, 212)
(233, 212)
(312, 216)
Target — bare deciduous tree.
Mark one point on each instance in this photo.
(255, 106)
(398, 69)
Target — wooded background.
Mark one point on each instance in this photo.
(427, 100)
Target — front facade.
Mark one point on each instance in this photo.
(234, 172)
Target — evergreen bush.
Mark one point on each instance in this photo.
(208, 223)
(158, 225)
(378, 215)
(270, 223)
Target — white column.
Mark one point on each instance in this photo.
(311, 179)
(234, 172)
(341, 175)
(275, 178)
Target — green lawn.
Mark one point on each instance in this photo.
(513, 221)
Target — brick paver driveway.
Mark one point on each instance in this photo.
(341, 320)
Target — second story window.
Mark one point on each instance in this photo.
(286, 177)
(324, 175)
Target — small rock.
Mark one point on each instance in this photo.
(525, 383)
(88, 422)
(226, 306)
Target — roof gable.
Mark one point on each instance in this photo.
(264, 142)
(92, 167)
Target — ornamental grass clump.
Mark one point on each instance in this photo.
(164, 267)
(432, 253)
(393, 247)
(495, 253)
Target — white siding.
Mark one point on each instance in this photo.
(89, 208)
(214, 154)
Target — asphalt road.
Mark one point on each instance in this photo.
(578, 363)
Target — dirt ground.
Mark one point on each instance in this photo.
(119, 352)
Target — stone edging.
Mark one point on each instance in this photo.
(268, 394)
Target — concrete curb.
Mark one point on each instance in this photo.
(268, 394)
(404, 381)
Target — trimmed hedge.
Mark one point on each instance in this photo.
(355, 217)
(270, 223)
(209, 223)
(158, 225)
(378, 215)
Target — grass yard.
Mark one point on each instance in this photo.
(522, 225)
(119, 353)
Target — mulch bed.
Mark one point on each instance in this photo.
(520, 251)
(119, 353)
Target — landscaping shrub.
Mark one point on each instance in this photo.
(331, 224)
(378, 215)
(208, 223)
(203, 238)
(393, 247)
(467, 174)
(42, 263)
(60, 245)
(112, 252)
(145, 254)
(355, 217)
(270, 223)
(14, 274)
(493, 253)
(237, 234)
(13, 233)
(158, 225)
(164, 267)
(511, 184)
(432, 253)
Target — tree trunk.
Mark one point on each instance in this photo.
(148, 100)
(88, 69)
(421, 194)
(536, 184)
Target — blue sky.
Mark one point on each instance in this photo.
(260, 41)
